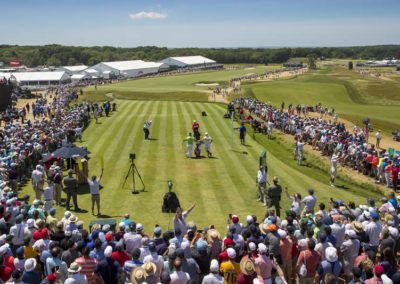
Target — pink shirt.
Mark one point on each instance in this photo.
(265, 264)
(286, 249)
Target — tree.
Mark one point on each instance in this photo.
(53, 61)
(312, 61)
(71, 61)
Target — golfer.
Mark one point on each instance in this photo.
(242, 134)
(207, 140)
(195, 128)
(261, 183)
(270, 126)
(146, 129)
(300, 147)
(189, 140)
(333, 169)
(94, 186)
(37, 182)
(378, 139)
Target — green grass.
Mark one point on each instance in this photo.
(223, 185)
(176, 87)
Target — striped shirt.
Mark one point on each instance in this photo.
(88, 265)
(128, 267)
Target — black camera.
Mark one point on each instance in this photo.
(132, 156)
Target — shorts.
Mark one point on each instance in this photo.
(333, 172)
(95, 197)
(47, 205)
(241, 135)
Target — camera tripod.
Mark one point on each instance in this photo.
(133, 169)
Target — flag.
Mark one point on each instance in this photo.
(391, 153)
(80, 165)
(102, 162)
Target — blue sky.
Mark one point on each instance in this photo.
(206, 23)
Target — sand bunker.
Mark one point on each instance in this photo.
(207, 85)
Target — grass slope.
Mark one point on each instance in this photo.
(223, 185)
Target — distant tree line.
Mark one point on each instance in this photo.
(58, 55)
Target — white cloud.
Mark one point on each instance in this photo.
(148, 15)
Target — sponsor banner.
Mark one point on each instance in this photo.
(15, 63)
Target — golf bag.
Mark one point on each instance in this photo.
(171, 203)
(197, 150)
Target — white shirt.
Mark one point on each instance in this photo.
(321, 247)
(181, 223)
(94, 186)
(78, 131)
(48, 193)
(309, 202)
(18, 231)
(334, 164)
(37, 176)
(261, 176)
(378, 135)
(179, 277)
(213, 278)
(338, 230)
(300, 146)
(373, 229)
(207, 141)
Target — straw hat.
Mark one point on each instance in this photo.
(247, 266)
(150, 268)
(264, 228)
(213, 235)
(73, 219)
(74, 268)
(138, 275)
(357, 226)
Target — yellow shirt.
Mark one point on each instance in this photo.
(231, 272)
(30, 252)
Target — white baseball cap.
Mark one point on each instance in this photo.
(231, 253)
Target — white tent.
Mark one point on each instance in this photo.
(41, 79)
(91, 72)
(79, 77)
(72, 69)
(131, 68)
(188, 61)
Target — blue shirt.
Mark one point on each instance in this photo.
(242, 129)
(31, 277)
(99, 255)
(393, 201)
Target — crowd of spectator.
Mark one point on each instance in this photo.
(330, 137)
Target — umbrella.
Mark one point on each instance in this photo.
(366, 120)
(70, 150)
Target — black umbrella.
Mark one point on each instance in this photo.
(366, 120)
(70, 150)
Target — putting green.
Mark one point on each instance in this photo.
(222, 185)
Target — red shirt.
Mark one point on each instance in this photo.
(195, 127)
(312, 261)
(5, 273)
(395, 174)
(120, 257)
(369, 159)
